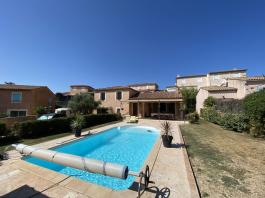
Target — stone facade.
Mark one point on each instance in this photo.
(211, 79)
(111, 102)
(78, 89)
(203, 94)
(144, 87)
(245, 86)
(236, 88)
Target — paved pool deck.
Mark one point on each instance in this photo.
(171, 173)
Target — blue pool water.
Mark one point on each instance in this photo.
(127, 145)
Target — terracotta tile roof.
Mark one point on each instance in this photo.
(192, 76)
(18, 87)
(114, 88)
(141, 84)
(228, 71)
(216, 72)
(250, 78)
(156, 95)
(86, 86)
(219, 88)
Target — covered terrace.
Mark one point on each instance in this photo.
(157, 105)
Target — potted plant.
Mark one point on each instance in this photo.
(166, 134)
(77, 125)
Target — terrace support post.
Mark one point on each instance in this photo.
(138, 109)
(159, 109)
(175, 109)
(143, 110)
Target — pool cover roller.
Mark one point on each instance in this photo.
(74, 161)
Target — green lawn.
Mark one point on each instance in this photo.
(226, 164)
(5, 144)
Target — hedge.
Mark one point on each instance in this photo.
(233, 121)
(193, 117)
(239, 115)
(97, 119)
(254, 108)
(39, 128)
(211, 115)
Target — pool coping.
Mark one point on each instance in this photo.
(169, 168)
(78, 185)
(195, 190)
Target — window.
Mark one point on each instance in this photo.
(17, 113)
(16, 97)
(118, 95)
(102, 96)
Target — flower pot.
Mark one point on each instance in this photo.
(167, 139)
(77, 132)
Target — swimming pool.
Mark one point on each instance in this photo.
(127, 145)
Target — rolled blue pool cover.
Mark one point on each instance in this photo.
(82, 163)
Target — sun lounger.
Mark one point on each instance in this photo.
(133, 119)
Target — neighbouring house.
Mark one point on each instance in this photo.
(217, 78)
(171, 88)
(22, 100)
(145, 101)
(247, 85)
(63, 98)
(144, 86)
(234, 88)
(216, 92)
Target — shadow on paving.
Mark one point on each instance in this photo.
(24, 192)
(158, 193)
(178, 146)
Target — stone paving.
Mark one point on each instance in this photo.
(171, 174)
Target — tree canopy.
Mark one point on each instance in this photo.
(83, 103)
(189, 98)
(209, 102)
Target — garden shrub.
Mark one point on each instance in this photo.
(211, 115)
(233, 121)
(254, 108)
(209, 102)
(39, 128)
(40, 110)
(193, 117)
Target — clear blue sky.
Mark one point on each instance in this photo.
(111, 42)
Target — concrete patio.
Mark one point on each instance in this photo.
(171, 174)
